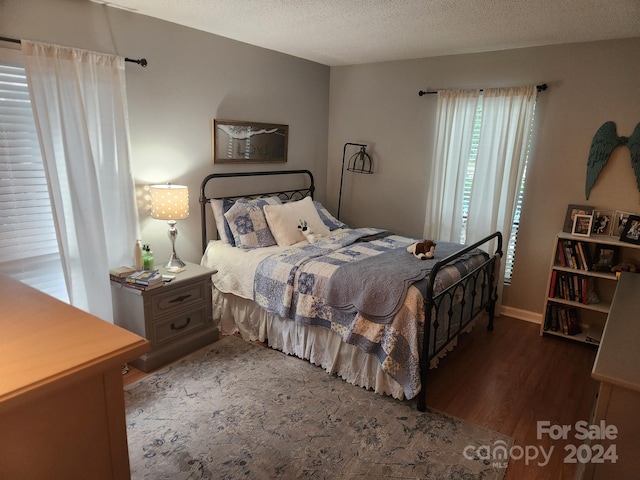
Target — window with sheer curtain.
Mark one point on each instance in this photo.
(28, 245)
(479, 165)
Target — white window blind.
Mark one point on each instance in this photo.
(28, 245)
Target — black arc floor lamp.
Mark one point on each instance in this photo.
(359, 162)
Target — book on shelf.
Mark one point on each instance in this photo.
(574, 254)
(594, 335)
(562, 319)
(576, 288)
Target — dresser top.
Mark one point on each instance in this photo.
(618, 361)
(45, 341)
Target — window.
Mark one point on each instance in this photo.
(28, 242)
(510, 240)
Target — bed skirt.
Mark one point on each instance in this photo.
(318, 345)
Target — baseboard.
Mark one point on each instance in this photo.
(521, 314)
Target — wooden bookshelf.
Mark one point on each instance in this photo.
(591, 317)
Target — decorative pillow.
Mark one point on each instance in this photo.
(283, 221)
(248, 225)
(329, 220)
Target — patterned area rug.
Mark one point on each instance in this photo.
(235, 410)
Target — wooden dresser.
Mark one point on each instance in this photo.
(617, 368)
(62, 413)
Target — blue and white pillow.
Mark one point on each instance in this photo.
(248, 224)
(329, 220)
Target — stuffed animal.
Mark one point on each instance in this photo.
(422, 250)
(306, 230)
(625, 267)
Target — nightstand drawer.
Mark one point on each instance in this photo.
(183, 297)
(180, 325)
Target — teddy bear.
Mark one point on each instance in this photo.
(422, 250)
(306, 230)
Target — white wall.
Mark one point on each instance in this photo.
(192, 78)
(589, 84)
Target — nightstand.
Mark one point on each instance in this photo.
(176, 318)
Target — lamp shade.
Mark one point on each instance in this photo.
(169, 202)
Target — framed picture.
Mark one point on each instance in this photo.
(619, 222)
(249, 142)
(582, 225)
(572, 211)
(631, 231)
(602, 221)
(606, 256)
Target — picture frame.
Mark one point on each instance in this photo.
(602, 222)
(249, 142)
(631, 231)
(572, 211)
(582, 225)
(605, 257)
(619, 222)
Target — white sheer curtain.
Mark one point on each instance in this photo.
(507, 115)
(505, 125)
(79, 103)
(456, 113)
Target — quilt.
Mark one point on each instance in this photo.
(296, 284)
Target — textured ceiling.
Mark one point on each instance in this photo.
(346, 32)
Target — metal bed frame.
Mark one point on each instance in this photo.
(482, 279)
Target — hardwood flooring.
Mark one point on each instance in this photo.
(508, 380)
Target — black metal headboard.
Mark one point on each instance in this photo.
(286, 195)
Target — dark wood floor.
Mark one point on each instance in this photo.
(508, 380)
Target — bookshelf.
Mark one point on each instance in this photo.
(580, 285)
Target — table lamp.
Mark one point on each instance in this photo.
(171, 203)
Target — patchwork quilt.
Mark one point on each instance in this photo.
(297, 284)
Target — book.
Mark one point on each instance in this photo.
(121, 272)
(143, 288)
(144, 277)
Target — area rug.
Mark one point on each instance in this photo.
(235, 410)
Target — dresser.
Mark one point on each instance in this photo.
(176, 318)
(62, 413)
(617, 368)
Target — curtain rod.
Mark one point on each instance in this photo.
(142, 61)
(540, 88)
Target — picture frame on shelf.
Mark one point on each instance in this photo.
(572, 211)
(602, 221)
(582, 225)
(619, 222)
(605, 257)
(631, 230)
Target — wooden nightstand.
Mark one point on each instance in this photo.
(176, 318)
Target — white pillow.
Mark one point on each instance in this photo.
(283, 221)
(218, 215)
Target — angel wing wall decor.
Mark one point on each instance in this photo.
(604, 142)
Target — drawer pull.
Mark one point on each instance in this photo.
(173, 325)
(181, 298)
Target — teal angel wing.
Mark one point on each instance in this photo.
(603, 143)
(634, 147)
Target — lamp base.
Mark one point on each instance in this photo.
(174, 262)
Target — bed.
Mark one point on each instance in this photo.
(354, 300)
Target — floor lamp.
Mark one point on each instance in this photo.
(171, 203)
(359, 162)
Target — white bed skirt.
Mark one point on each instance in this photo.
(318, 345)
(315, 344)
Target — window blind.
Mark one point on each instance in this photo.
(28, 243)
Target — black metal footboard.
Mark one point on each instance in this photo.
(449, 312)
